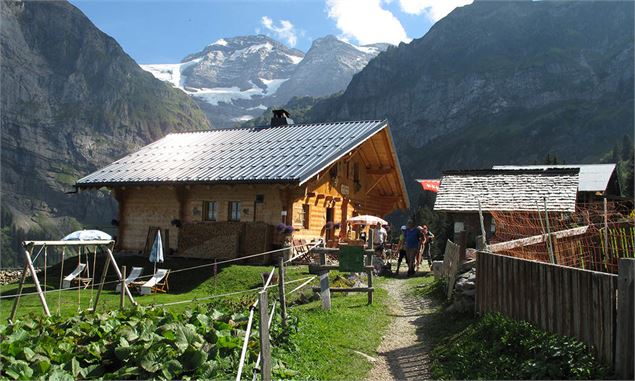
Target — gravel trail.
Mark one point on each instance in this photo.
(403, 353)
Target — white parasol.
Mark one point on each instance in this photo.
(87, 235)
(366, 220)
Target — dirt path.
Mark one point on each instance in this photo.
(403, 353)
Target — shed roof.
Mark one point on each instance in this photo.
(507, 190)
(287, 153)
(593, 177)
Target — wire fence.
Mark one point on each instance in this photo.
(593, 237)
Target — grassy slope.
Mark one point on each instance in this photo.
(350, 326)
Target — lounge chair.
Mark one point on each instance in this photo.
(71, 277)
(158, 283)
(134, 274)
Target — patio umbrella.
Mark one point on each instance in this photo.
(156, 254)
(87, 235)
(366, 220)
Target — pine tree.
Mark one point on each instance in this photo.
(627, 148)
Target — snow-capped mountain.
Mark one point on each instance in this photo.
(236, 79)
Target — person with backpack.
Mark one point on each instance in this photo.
(401, 248)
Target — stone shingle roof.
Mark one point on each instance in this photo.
(593, 177)
(508, 190)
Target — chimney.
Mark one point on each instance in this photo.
(281, 118)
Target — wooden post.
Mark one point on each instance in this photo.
(552, 258)
(101, 282)
(624, 364)
(606, 231)
(45, 263)
(123, 287)
(115, 266)
(325, 292)
(369, 273)
(281, 292)
(29, 263)
(484, 237)
(370, 286)
(215, 272)
(265, 348)
(17, 298)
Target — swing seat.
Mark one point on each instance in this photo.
(134, 274)
(72, 276)
(158, 283)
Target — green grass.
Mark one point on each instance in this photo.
(509, 349)
(325, 342)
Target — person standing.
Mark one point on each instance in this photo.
(401, 248)
(428, 238)
(412, 240)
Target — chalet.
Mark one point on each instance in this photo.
(503, 190)
(233, 192)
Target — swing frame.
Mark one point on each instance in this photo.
(28, 247)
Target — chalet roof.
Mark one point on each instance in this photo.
(508, 190)
(287, 153)
(593, 177)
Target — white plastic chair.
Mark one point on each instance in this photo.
(158, 283)
(134, 274)
(69, 278)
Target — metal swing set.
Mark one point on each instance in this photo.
(30, 246)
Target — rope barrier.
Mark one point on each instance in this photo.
(118, 281)
(300, 286)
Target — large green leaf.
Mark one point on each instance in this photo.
(193, 358)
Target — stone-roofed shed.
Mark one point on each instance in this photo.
(502, 190)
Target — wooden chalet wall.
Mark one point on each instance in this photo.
(377, 190)
(145, 206)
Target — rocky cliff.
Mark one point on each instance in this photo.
(501, 82)
(71, 101)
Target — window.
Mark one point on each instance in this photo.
(356, 172)
(301, 216)
(210, 212)
(234, 211)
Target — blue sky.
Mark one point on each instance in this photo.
(165, 31)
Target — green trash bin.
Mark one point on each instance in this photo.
(351, 259)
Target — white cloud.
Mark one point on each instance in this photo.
(366, 21)
(284, 31)
(433, 9)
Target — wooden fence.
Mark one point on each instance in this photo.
(563, 300)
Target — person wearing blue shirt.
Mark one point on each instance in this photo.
(412, 241)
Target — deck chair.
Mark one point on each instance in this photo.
(158, 283)
(134, 274)
(70, 277)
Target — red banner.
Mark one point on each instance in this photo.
(430, 185)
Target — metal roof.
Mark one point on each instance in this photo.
(593, 177)
(286, 153)
(505, 190)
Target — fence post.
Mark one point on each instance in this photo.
(552, 258)
(325, 291)
(624, 365)
(281, 292)
(483, 240)
(606, 231)
(123, 287)
(265, 348)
